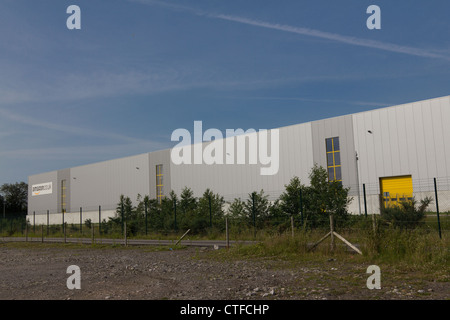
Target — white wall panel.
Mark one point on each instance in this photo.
(445, 115)
(103, 183)
(405, 139)
(238, 180)
(440, 116)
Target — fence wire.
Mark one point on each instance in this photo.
(240, 212)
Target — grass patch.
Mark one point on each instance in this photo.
(413, 249)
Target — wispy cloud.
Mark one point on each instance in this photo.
(391, 47)
(351, 102)
(338, 37)
(72, 130)
(89, 153)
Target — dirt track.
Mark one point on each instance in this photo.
(39, 272)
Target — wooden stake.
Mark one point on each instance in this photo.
(292, 226)
(182, 236)
(332, 232)
(347, 243)
(227, 234)
(318, 242)
(125, 232)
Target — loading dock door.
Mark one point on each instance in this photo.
(396, 189)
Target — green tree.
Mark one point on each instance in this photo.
(290, 198)
(236, 210)
(257, 208)
(324, 197)
(186, 208)
(213, 217)
(16, 197)
(170, 211)
(128, 209)
(120, 217)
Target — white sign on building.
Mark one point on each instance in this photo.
(42, 188)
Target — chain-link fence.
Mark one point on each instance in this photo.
(250, 215)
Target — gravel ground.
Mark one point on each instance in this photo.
(40, 273)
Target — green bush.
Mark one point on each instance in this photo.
(407, 214)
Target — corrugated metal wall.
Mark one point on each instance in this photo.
(238, 180)
(405, 139)
(103, 183)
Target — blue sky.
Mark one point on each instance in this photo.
(139, 69)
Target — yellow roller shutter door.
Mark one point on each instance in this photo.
(396, 189)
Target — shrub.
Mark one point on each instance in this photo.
(407, 214)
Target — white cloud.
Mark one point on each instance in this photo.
(72, 130)
(88, 153)
(309, 32)
(337, 37)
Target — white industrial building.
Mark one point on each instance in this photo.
(394, 152)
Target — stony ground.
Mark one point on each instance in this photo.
(40, 272)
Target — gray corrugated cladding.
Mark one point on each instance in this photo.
(406, 139)
(238, 180)
(409, 139)
(101, 184)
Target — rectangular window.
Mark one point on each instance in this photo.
(333, 159)
(159, 183)
(63, 195)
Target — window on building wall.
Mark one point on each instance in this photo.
(63, 196)
(333, 159)
(159, 183)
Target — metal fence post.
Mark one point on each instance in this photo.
(121, 213)
(365, 200)
(437, 208)
(99, 220)
(210, 212)
(254, 214)
(175, 212)
(48, 222)
(301, 206)
(145, 210)
(81, 221)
